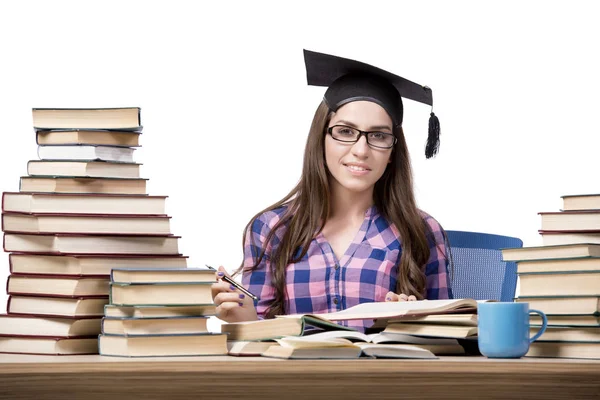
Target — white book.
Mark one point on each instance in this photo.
(104, 153)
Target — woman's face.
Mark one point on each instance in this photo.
(358, 166)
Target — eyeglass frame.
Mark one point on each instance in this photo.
(360, 134)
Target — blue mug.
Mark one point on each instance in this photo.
(503, 329)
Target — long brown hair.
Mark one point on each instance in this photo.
(308, 208)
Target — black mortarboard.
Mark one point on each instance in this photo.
(349, 80)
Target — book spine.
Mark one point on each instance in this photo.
(10, 263)
(3, 195)
(7, 283)
(8, 304)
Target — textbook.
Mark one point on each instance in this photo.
(570, 220)
(168, 293)
(581, 283)
(75, 184)
(554, 238)
(309, 347)
(89, 169)
(440, 319)
(163, 345)
(573, 320)
(565, 334)
(88, 136)
(83, 203)
(564, 350)
(154, 225)
(100, 265)
(48, 345)
(551, 252)
(389, 310)
(161, 311)
(565, 305)
(162, 275)
(581, 202)
(266, 329)
(86, 153)
(154, 326)
(20, 325)
(121, 118)
(559, 265)
(57, 286)
(432, 330)
(56, 307)
(91, 245)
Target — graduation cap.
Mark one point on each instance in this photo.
(349, 80)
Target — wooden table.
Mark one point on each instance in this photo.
(96, 377)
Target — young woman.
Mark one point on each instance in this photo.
(350, 231)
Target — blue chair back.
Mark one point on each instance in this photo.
(479, 272)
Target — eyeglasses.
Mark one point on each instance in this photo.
(346, 134)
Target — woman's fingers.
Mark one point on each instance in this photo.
(391, 296)
(229, 297)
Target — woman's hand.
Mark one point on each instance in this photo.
(232, 305)
(391, 296)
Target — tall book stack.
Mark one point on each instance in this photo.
(160, 312)
(81, 211)
(562, 279)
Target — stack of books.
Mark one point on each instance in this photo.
(562, 279)
(319, 336)
(81, 211)
(155, 312)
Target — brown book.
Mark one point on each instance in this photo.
(91, 245)
(154, 225)
(571, 220)
(88, 136)
(555, 238)
(564, 305)
(581, 202)
(21, 325)
(48, 345)
(56, 307)
(83, 203)
(122, 118)
(155, 294)
(585, 283)
(564, 350)
(55, 286)
(162, 275)
(89, 169)
(35, 264)
(551, 252)
(163, 345)
(75, 184)
(559, 265)
(154, 326)
(195, 310)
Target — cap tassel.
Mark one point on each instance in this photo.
(433, 138)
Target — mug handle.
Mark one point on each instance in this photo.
(544, 325)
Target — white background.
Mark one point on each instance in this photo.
(226, 108)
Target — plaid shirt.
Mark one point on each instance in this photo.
(321, 283)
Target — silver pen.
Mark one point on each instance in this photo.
(234, 283)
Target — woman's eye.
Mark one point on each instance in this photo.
(377, 135)
(345, 131)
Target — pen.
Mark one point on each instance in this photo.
(234, 283)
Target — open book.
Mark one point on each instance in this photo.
(387, 340)
(332, 346)
(396, 309)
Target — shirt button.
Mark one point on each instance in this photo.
(335, 300)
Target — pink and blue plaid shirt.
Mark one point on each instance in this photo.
(321, 283)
